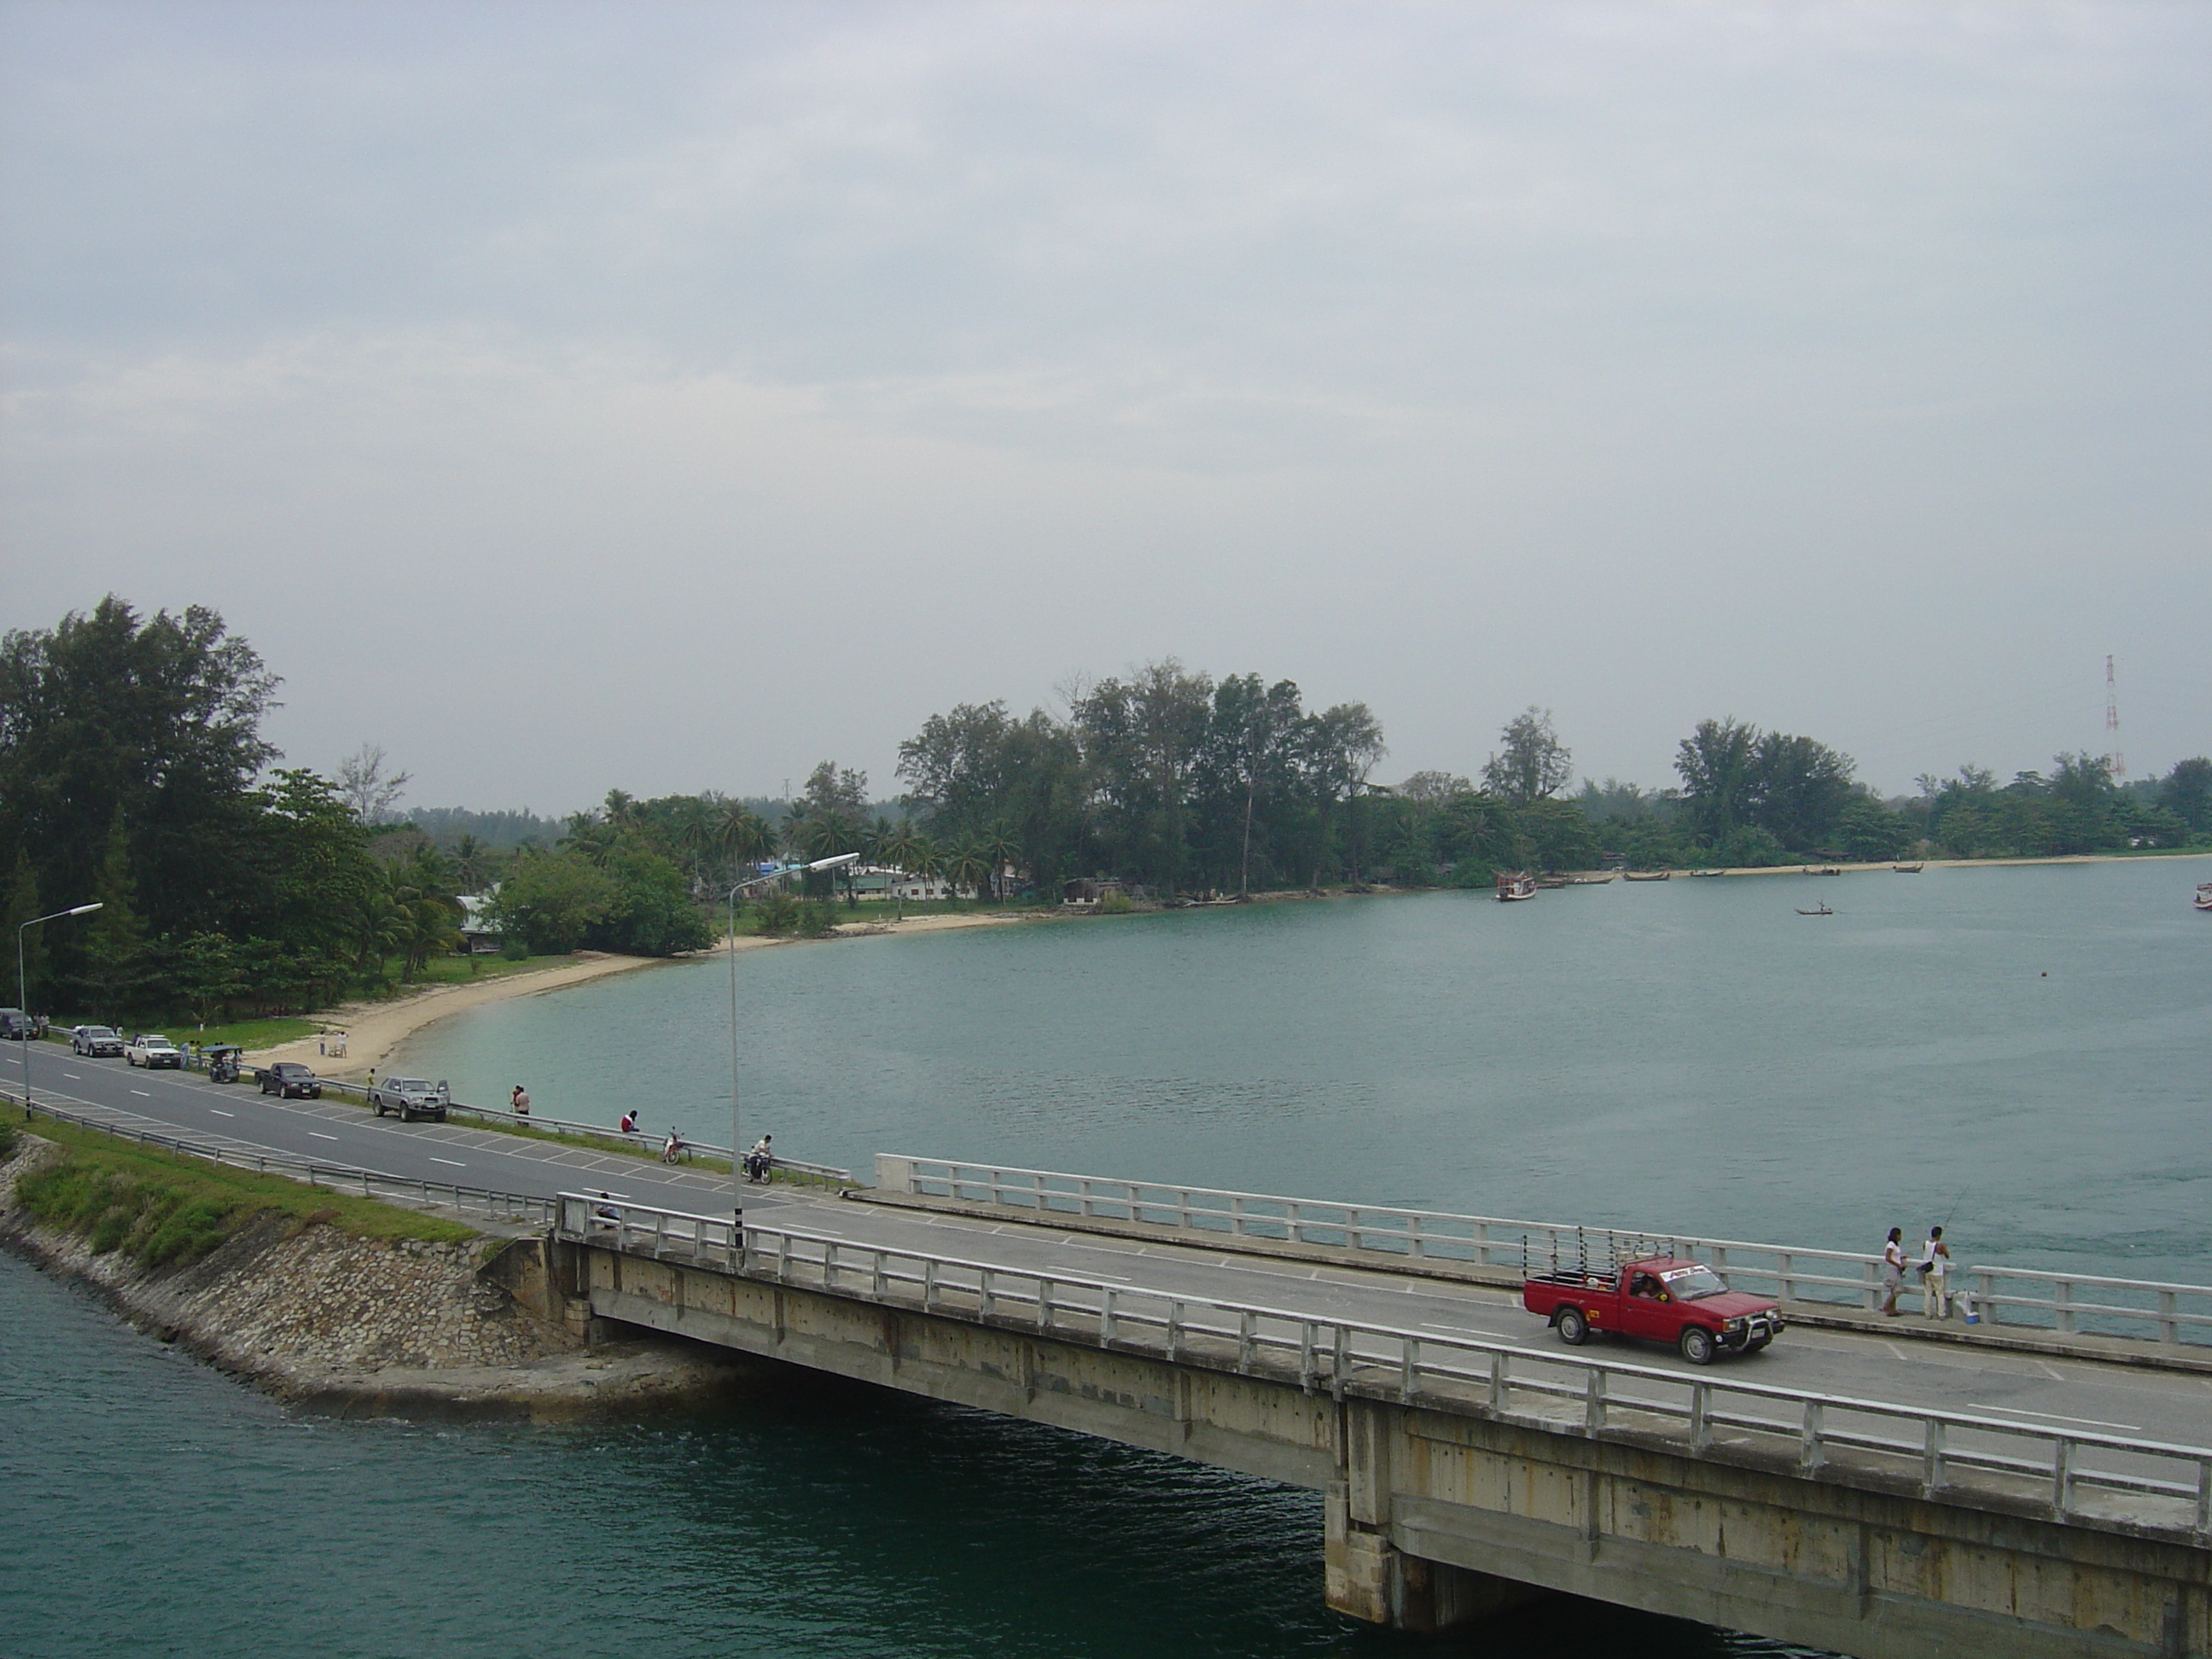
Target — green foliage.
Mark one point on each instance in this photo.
(1116, 902)
(2077, 809)
(7, 1140)
(1734, 776)
(552, 900)
(2187, 793)
(649, 912)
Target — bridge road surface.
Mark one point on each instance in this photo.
(2033, 1391)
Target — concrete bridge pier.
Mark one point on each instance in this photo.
(1370, 1578)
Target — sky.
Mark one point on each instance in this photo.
(669, 396)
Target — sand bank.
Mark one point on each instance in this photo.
(374, 1029)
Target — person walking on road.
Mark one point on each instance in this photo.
(1893, 1271)
(1935, 1276)
(519, 1100)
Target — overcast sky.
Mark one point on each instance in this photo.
(670, 396)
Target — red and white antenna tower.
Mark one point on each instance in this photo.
(2112, 724)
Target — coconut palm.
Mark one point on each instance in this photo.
(1003, 848)
(967, 864)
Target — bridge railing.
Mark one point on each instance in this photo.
(337, 1177)
(2077, 1474)
(2173, 1315)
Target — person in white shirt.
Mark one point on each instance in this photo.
(1935, 1276)
(1893, 1271)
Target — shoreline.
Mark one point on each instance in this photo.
(375, 1030)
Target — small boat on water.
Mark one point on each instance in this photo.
(1551, 881)
(2204, 894)
(1822, 870)
(1590, 881)
(1646, 875)
(1512, 887)
(1906, 869)
(1823, 911)
(1709, 872)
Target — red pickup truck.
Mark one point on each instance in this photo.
(1661, 1298)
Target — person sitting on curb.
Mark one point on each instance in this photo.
(629, 1125)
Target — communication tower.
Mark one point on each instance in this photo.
(2112, 724)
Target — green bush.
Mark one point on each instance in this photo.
(7, 1141)
(1116, 902)
(817, 918)
(148, 1220)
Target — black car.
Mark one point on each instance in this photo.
(16, 1026)
(289, 1080)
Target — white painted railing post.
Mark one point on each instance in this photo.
(1931, 1460)
(2061, 1474)
(1701, 1418)
(2062, 1298)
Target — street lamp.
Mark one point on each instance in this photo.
(737, 1143)
(23, 989)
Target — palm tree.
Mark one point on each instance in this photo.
(1003, 848)
(471, 863)
(897, 848)
(967, 864)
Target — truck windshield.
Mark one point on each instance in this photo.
(1692, 1283)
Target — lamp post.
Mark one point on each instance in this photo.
(23, 987)
(737, 1143)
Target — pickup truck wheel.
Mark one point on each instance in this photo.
(1698, 1345)
(1574, 1329)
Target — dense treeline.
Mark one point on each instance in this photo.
(133, 772)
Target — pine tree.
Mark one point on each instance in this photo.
(115, 944)
(22, 907)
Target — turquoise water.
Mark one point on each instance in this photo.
(2026, 1045)
(154, 1507)
(2023, 1050)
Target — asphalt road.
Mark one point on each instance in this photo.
(2044, 1393)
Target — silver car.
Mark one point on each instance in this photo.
(410, 1097)
(102, 1042)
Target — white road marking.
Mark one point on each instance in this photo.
(73, 1075)
(141, 1094)
(2056, 1417)
(320, 1135)
(455, 1162)
(1457, 1330)
(219, 1112)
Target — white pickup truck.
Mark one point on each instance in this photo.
(153, 1051)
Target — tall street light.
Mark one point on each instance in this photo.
(22, 985)
(737, 1143)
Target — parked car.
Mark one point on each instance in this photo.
(102, 1042)
(1660, 1299)
(409, 1097)
(153, 1051)
(288, 1080)
(17, 1026)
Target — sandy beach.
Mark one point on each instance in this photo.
(374, 1029)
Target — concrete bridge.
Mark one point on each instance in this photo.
(1858, 1495)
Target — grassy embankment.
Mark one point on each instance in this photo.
(157, 1207)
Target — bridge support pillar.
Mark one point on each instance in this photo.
(1369, 1577)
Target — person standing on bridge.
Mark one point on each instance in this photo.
(1893, 1271)
(1935, 1276)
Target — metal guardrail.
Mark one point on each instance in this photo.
(1833, 1434)
(2172, 1315)
(795, 1168)
(335, 1176)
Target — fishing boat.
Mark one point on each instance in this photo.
(1906, 869)
(2204, 894)
(1512, 886)
(1551, 881)
(1822, 870)
(1590, 881)
(1823, 911)
(1709, 872)
(1646, 875)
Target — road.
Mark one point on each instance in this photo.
(2044, 1392)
